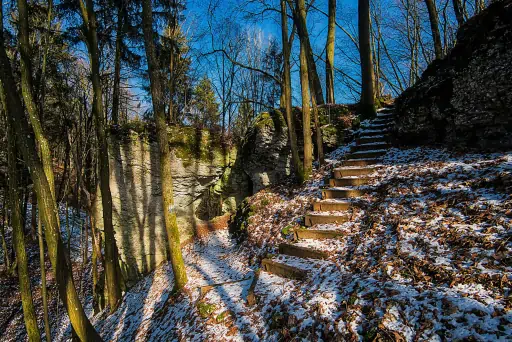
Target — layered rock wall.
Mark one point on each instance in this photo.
(466, 98)
(208, 185)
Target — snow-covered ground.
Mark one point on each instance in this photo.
(426, 257)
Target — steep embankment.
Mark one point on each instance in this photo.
(465, 98)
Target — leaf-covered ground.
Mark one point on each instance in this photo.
(426, 257)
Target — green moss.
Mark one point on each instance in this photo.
(190, 143)
(273, 119)
(287, 230)
(205, 309)
(222, 316)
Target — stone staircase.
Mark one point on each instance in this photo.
(350, 180)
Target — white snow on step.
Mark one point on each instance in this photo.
(370, 151)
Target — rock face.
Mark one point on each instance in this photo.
(208, 185)
(210, 181)
(266, 153)
(466, 98)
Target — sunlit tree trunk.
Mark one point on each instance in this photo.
(46, 203)
(112, 271)
(367, 105)
(434, 26)
(28, 92)
(299, 17)
(329, 52)
(156, 82)
(286, 96)
(29, 314)
(304, 83)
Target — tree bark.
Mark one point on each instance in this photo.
(117, 66)
(304, 83)
(299, 17)
(156, 82)
(434, 26)
(367, 104)
(329, 53)
(47, 205)
(44, 292)
(457, 8)
(286, 96)
(113, 276)
(29, 314)
(318, 134)
(28, 93)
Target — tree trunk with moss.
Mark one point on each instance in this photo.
(318, 133)
(286, 96)
(28, 92)
(47, 205)
(29, 314)
(112, 269)
(367, 104)
(434, 26)
(156, 83)
(304, 84)
(329, 53)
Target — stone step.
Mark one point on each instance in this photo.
(343, 193)
(384, 121)
(318, 234)
(367, 140)
(302, 252)
(373, 133)
(283, 270)
(331, 205)
(370, 147)
(312, 219)
(385, 114)
(342, 172)
(359, 162)
(378, 126)
(346, 181)
(367, 154)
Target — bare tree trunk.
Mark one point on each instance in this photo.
(28, 93)
(367, 78)
(46, 202)
(299, 17)
(156, 82)
(457, 8)
(318, 132)
(29, 313)
(7, 260)
(44, 292)
(117, 66)
(434, 26)
(286, 95)
(329, 53)
(304, 83)
(113, 276)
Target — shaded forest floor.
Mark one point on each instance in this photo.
(428, 257)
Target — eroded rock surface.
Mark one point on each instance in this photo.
(466, 98)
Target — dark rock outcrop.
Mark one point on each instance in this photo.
(465, 99)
